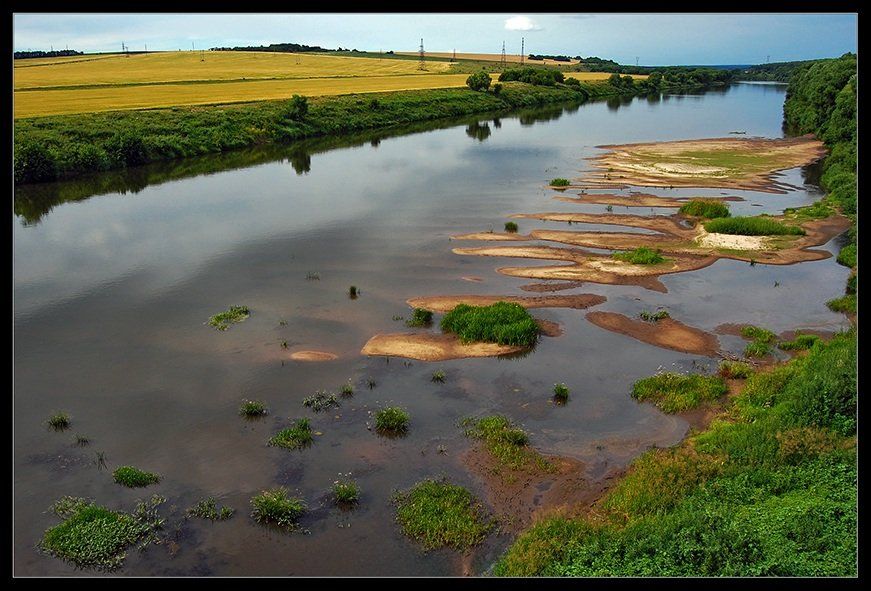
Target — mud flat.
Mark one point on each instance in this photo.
(312, 356)
(667, 333)
(448, 303)
(433, 347)
(636, 199)
(733, 163)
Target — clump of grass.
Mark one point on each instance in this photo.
(511, 227)
(815, 211)
(321, 401)
(436, 513)
(757, 349)
(132, 477)
(59, 421)
(751, 226)
(208, 509)
(392, 420)
(347, 389)
(845, 304)
(758, 334)
(346, 492)
(223, 320)
(609, 208)
(559, 182)
(507, 443)
(82, 440)
(438, 376)
(561, 392)
(640, 256)
(92, 536)
(419, 317)
(274, 506)
(734, 369)
(298, 436)
(371, 383)
(847, 256)
(705, 208)
(504, 323)
(654, 316)
(676, 392)
(252, 409)
(353, 292)
(801, 342)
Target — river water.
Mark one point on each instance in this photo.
(115, 276)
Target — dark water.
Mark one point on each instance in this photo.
(115, 276)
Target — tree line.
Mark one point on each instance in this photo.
(21, 55)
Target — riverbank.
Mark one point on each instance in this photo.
(60, 147)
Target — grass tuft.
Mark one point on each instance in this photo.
(298, 436)
(504, 323)
(801, 342)
(559, 182)
(436, 514)
(675, 392)
(274, 506)
(511, 227)
(438, 376)
(347, 389)
(654, 316)
(134, 477)
(252, 409)
(392, 420)
(419, 317)
(208, 509)
(734, 369)
(757, 349)
(59, 421)
(321, 400)
(561, 392)
(705, 208)
(223, 320)
(507, 443)
(758, 334)
(346, 492)
(751, 226)
(640, 256)
(845, 304)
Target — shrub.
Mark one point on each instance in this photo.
(392, 420)
(436, 513)
(559, 182)
(479, 81)
(751, 226)
(252, 408)
(640, 256)
(510, 227)
(705, 208)
(675, 392)
(274, 506)
(504, 323)
(133, 477)
(33, 163)
(734, 369)
(298, 436)
(497, 89)
(126, 149)
(847, 256)
(297, 108)
(419, 317)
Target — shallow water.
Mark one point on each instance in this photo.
(112, 292)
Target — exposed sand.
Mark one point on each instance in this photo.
(660, 223)
(667, 333)
(635, 199)
(495, 236)
(735, 163)
(545, 287)
(732, 241)
(312, 356)
(449, 302)
(471, 278)
(432, 347)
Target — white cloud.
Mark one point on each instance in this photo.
(521, 23)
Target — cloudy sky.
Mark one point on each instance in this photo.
(654, 39)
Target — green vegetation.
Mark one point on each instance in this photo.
(801, 342)
(561, 392)
(845, 304)
(507, 444)
(59, 421)
(438, 376)
(847, 256)
(511, 227)
(751, 226)
(654, 316)
(734, 369)
(504, 323)
(758, 334)
(298, 436)
(640, 256)
(223, 320)
(676, 392)
(392, 420)
(559, 182)
(208, 509)
(436, 513)
(134, 477)
(479, 81)
(419, 317)
(346, 492)
(770, 489)
(774, 72)
(82, 440)
(352, 291)
(757, 349)
(535, 76)
(321, 400)
(816, 211)
(274, 506)
(252, 409)
(705, 208)
(347, 389)
(92, 536)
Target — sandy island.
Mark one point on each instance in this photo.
(667, 333)
(312, 356)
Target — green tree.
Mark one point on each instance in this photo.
(479, 81)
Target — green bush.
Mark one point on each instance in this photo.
(847, 256)
(705, 208)
(504, 323)
(561, 392)
(511, 227)
(297, 108)
(845, 304)
(751, 226)
(33, 163)
(479, 81)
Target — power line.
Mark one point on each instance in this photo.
(422, 64)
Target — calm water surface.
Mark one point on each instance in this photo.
(112, 292)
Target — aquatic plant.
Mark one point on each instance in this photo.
(419, 317)
(752, 226)
(208, 509)
(438, 376)
(297, 436)
(559, 182)
(560, 392)
(132, 477)
(82, 440)
(353, 292)
(347, 389)
(705, 208)
(59, 421)
(346, 491)
(371, 383)
(313, 276)
(676, 392)
(654, 316)
(504, 323)
(321, 400)
(640, 256)
(274, 506)
(511, 227)
(436, 513)
(392, 420)
(506, 443)
(234, 314)
(252, 409)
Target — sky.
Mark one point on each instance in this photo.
(649, 39)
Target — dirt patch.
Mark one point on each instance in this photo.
(312, 356)
(432, 347)
(666, 333)
(734, 163)
(448, 303)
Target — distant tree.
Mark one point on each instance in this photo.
(654, 79)
(627, 81)
(479, 81)
(615, 80)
